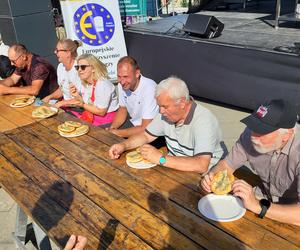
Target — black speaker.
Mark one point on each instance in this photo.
(203, 26)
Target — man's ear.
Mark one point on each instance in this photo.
(288, 134)
(137, 73)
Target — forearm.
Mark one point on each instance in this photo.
(128, 132)
(136, 140)
(283, 213)
(184, 163)
(120, 118)
(27, 90)
(7, 82)
(93, 109)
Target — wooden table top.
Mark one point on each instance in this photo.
(11, 118)
(70, 186)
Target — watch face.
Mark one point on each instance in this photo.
(162, 160)
(265, 203)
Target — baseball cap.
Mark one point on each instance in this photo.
(270, 116)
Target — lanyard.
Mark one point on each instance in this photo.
(93, 92)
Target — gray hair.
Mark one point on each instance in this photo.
(174, 87)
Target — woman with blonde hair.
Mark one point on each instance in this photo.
(97, 95)
(66, 52)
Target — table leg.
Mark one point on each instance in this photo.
(20, 228)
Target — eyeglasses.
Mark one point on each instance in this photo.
(59, 50)
(14, 61)
(82, 67)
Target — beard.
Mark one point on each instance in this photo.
(266, 149)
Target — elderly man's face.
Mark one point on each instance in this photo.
(19, 60)
(269, 142)
(172, 110)
(128, 77)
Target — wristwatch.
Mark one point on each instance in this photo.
(265, 204)
(162, 160)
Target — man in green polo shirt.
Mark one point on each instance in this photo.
(192, 132)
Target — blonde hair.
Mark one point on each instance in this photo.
(71, 45)
(99, 67)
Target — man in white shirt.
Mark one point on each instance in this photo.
(136, 98)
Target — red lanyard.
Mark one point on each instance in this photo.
(93, 92)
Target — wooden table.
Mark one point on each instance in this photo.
(71, 186)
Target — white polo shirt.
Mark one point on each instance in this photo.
(141, 103)
(64, 78)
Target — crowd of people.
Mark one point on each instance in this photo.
(141, 111)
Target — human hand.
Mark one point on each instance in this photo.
(76, 243)
(73, 90)
(116, 150)
(206, 181)
(46, 99)
(150, 153)
(245, 191)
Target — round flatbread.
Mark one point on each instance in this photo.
(83, 129)
(73, 124)
(44, 112)
(222, 182)
(65, 128)
(22, 101)
(134, 156)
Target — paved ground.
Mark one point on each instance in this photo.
(229, 121)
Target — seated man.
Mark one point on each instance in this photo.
(271, 144)
(38, 75)
(136, 99)
(191, 131)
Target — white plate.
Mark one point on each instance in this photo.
(49, 115)
(221, 207)
(29, 102)
(140, 165)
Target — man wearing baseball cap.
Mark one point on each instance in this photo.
(271, 145)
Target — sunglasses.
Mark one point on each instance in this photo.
(82, 67)
(59, 50)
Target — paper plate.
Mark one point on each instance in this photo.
(222, 208)
(55, 111)
(140, 165)
(29, 102)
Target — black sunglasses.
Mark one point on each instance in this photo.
(82, 67)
